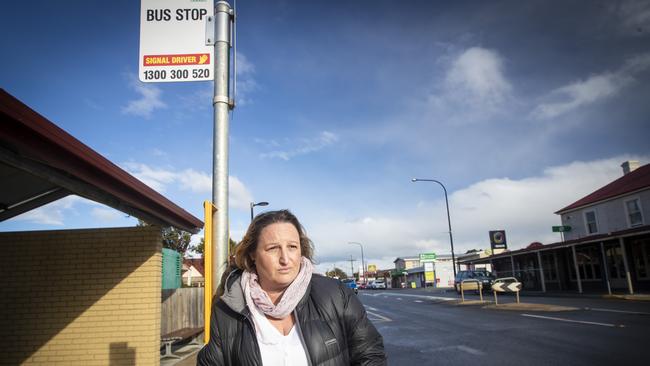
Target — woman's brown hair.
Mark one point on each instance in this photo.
(244, 250)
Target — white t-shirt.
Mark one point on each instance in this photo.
(277, 349)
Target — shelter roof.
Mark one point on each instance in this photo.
(41, 163)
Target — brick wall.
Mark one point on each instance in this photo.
(80, 297)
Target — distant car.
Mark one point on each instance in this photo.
(362, 286)
(378, 285)
(483, 276)
(351, 283)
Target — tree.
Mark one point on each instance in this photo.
(336, 272)
(173, 238)
(200, 247)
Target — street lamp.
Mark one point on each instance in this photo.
(253, 204)
(363, 263)
(451, 238)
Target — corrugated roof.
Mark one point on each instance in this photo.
(631, 182)
(40, 163)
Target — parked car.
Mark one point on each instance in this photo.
(483, 276)
(351, 283)
(378, 285)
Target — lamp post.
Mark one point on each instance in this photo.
(451, 237)
(363, 262)
(253, 204)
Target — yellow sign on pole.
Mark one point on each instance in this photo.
(208, 210)
(372, 268)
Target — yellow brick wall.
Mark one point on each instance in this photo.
(80, 297)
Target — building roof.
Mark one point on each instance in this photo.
(197, 263)
(633, 181)
(639, 230)
(41, 163)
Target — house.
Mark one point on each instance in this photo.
(606, 247)
(193, 272)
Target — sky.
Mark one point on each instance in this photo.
(518, 108)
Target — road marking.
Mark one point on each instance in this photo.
(399, 298)
(426, 297)
(417, 301)
(619, 311)
(370, 308)
(470, 350)
(572, 321)
(381, 317)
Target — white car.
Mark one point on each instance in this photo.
(378, 285)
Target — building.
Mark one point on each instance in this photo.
(193, 272)
(86, 296)
(409, 272)
(606, 245)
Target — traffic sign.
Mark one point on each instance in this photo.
(506, 286)
(427, 257)
(561, 229)
(173, 41)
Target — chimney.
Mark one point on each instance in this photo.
(629, 166)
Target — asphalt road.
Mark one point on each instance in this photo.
(424, 328)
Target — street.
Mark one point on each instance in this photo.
(426, 328)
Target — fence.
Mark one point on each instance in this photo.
(181, 308)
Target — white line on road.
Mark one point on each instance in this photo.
(619, 311)
(417, 301)
(572, 321)
(381, 317)
(426, 297)
(399, 298)
(470, 350)
(370, 308)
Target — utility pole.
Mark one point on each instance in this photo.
(222, 105)
(351, 266)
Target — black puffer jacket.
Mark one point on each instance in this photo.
(333, 322)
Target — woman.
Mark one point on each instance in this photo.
(273, 310)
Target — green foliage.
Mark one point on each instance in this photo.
(173, 238)
(200, 247)
(337, 272)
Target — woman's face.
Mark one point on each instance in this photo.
(278, 256)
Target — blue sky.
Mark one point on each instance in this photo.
(520, 108)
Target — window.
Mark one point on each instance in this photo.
(590, 222)
(634, 215)
(641, 250)
(588, 264)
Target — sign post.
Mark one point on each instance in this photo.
(561, 229)
(172, 41)
(427, 259)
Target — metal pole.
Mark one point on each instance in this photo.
(252, 205)
(451, 237)
(363, 262)
(575, 264)
(627, 268)
(221, 103)
(605, 267)
(541, 271)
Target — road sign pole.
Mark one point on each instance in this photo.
(221, 103)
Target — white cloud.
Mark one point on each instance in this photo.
(246, 83)
(477, 74)
(595, 88)
(303, 146)
(149, 100)
(189, 180)
(154, 178)
(53, 213)
(106, 214)
(523, 207)
(633, 15)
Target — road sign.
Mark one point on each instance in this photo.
(506, 286)
(173, 41)
(427, 257)
(498, 239)
(428, 272)
(561, 229)
(372, 268)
